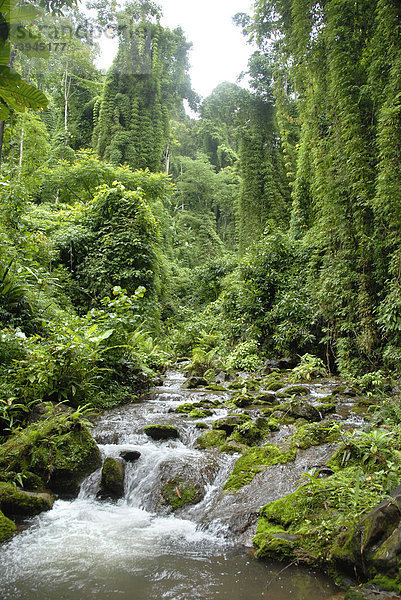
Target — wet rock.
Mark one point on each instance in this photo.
(7, 528)
(196, 413)
(242, 401)
(233, 447)
(195, 382)
(374, 546)
(201, 425)
(15, 502)
(222, 377)
(368, 593)
(228, 424)
(274, 386)
(183, 484)
(211, 439)
(130, 455)
(304, 410)
(162, 432)
(59, 450)
(294, 390)
(112, 481)
(265, 398)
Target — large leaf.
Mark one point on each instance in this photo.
(17, 94)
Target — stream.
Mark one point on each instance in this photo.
(136, 547)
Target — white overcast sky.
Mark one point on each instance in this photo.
(219, 52)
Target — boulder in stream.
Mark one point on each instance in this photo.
(15, 502)
(59, 450)
(112, 480)
(229, 423)
(7, 528)
(304, 410)
(130, 455)
(162, 432)
(195, 382)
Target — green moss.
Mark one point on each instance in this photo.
(216, 388)
(112, 481)
(274, 543)
(201, 425)
(177, 492)
(211, 439)
(15, 502)
(387, 583)
(196, 413)
(161, 432)
(229, 423)
(59, 449)
(7, 528)
(294, 390)
(184, 408)
(253, 462)
(233, 447)
(315, 434)
(241, 401)
(274, 386)
(248, 433)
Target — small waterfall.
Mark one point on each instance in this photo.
(137, 547)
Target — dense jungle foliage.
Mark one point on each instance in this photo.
(132, 234)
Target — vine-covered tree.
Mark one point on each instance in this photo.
(144, 89)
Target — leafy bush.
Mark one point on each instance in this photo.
(245, 356)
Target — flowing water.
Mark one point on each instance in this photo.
(136, 548)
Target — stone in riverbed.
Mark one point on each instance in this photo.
(15, 502)
(228, 424)
(161, 432)
(112, 481)
(195, 382)
(7, 528)
(304, 410)
(130, 455)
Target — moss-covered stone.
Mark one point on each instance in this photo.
(59, 449)
(177, 493)
(242, 401)
(229, 423)
(211, 439)
(294, 390)
(216, 388)
(248, 433)
(233, 447)
(300, 409)
(315, 434)
(326, 409)
(274, 386)
(273, 543)
(112, 480)
(161, 432)
(196, 413)
(15, 502)
(184, 408)
(265, 398)
(7, 528)
(253, 462)
(201, 425)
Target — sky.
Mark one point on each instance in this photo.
(219, 53)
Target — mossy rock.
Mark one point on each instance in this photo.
(265, 398)
(201, 425)
(315, 434)
(239, 384)
(248, 433)
(274, 386)
(294, 390)
(161, 432)
(59, 449)
(229, 423)
(195, 382)
(327, 408)
(216, 388)
(196, 413)
(253, 462)
(130, 455)
(7, 528)
(233, 447)
(211, 439)
(300, 409)
(15, 502)
(112, 480)
(273, 543)
(184, 408)
(178, 492)
(242, 401)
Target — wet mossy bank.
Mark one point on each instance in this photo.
(49, 458)
(359, 435)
